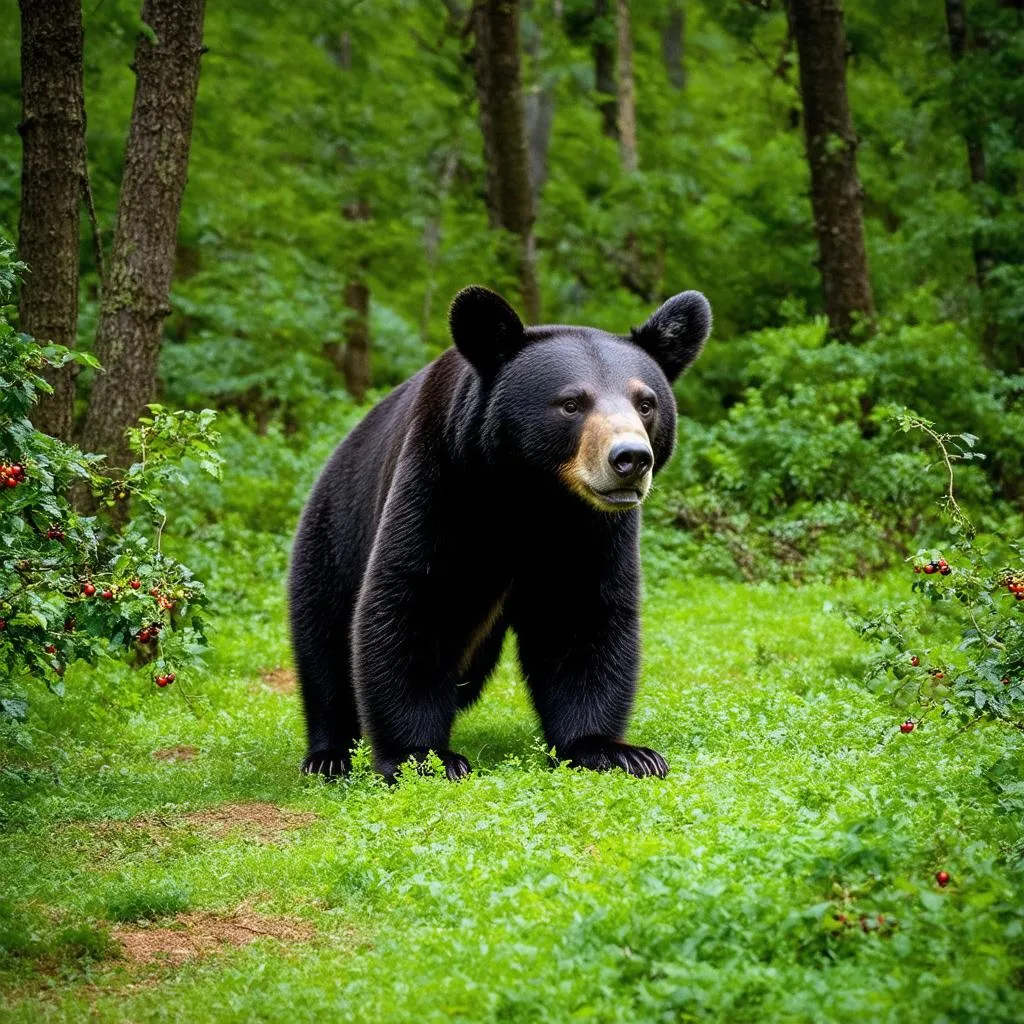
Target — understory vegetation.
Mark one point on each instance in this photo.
(834, 558)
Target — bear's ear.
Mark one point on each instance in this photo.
(675, 334)
(485, 329)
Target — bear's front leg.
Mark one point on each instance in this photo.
(581, 659)
(407, 695)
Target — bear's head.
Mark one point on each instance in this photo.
(595, 410)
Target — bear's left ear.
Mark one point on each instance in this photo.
(485, 329)
(675, 334)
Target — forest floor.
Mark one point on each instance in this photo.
(178, 868)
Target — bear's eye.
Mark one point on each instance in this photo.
(645, 407)
(570, 406)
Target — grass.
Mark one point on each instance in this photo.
(526, 894)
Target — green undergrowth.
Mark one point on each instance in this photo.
(526, 894)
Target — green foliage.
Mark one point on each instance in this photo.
(74, 587)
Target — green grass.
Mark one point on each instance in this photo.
(526, 894)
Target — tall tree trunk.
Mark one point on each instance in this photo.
(956, 22)
(673, 44)
(626, 90)
(432, 238)
(539, 111)
(136, 298)
(502, 123)
(836, 194)
(52, 175)
(355, 355)
(604, 69)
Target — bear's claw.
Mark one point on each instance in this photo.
(330, 764)
(602, 755)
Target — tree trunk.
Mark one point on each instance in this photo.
(673, 44)
(604, 69)
(136, 298)
(540, 113)
(836, 194)
(956, 22)
(432, 238)
(52, 175)
(626, 91)
(509, 196)
(355, 356)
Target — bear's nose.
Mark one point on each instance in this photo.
(630, 459)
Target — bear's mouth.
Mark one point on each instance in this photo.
(620, 498)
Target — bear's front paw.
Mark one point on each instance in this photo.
(331, 764)
(455, 765)
(601, 755)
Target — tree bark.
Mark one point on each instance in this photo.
(354, 361)
(52, 175)
(539, 112)
(673, 44)
(626, 91)
(604, 70)
(836, 194)
(502, 123)
(432, 238)
(136, 299)
(956, 23)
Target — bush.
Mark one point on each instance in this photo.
(78, 587)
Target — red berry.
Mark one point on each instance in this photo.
(1005, 682)
(11, 482)
(917, 568)
(945, 570)
(17, 470)
(170, 677)
(907, 726)
(915, 660)
(3, 625)
(942, 878)
(50, 649)
(943, 564)
(144, 636)
(161, 681)
(135, 584)
(88, 590)
(930, 568)
(107, 595)
(938, 675)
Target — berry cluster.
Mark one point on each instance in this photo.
(148, 633)
(55, 533)
(166, 680)
(1015, 586)
(941, 566)
(11, 475)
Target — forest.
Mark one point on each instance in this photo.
(227, 231)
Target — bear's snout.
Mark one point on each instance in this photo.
(631, 460)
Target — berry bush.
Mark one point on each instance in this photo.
(77, 586)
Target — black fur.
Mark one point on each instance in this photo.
(442, 521)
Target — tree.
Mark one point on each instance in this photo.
(836, 194)
(626, 92)
(502, 124)
(52, 176)
(673, 44)
(137, 293)
(604, 69)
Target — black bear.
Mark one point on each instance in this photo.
(499, 488)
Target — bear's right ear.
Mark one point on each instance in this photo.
(485, 329)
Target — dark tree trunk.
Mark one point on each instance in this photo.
(136, 298)
(673, 44)
(540, 113)
(836, 195)
(353, 357)
(604, 69)
(52, 175)
(628, 154)
(502, 123)
(432, 239)
(956, 22)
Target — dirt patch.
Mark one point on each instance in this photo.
(263, 821)
(200, 933)
(281, 680)
(182, 752)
